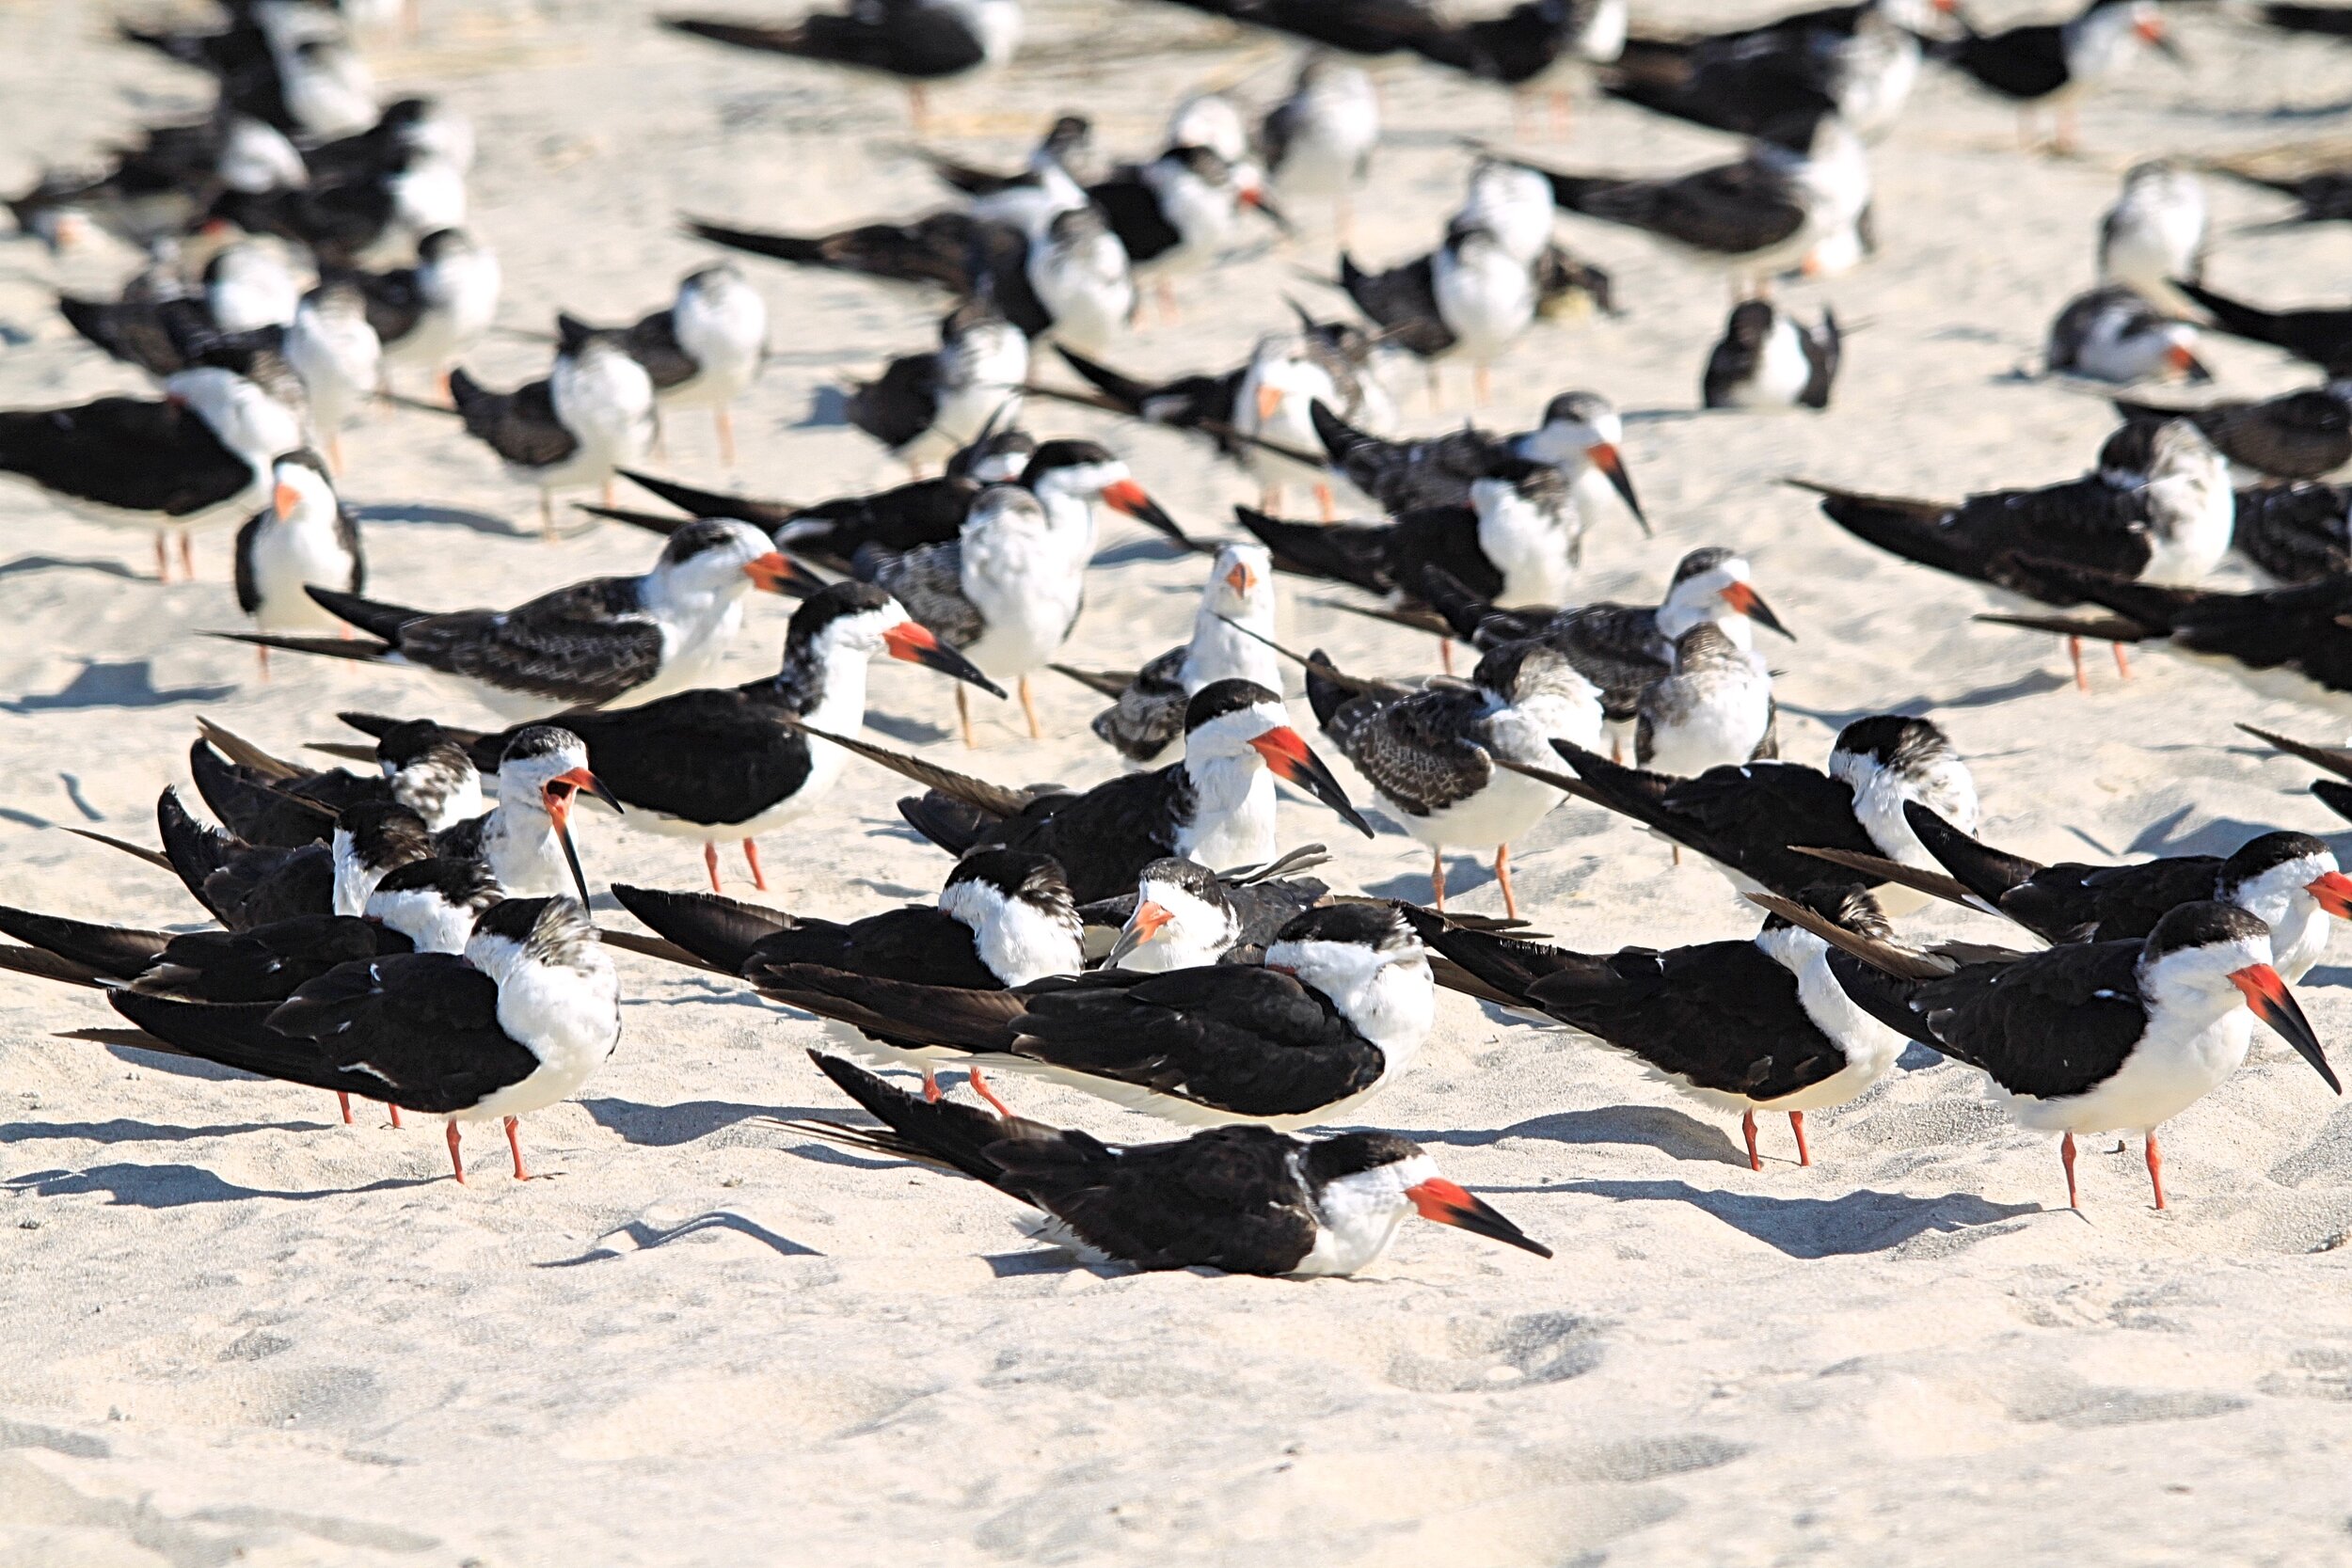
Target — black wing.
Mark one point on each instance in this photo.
(423, 1025)
(1104, 837)
(585, 643)
(2050, 1024)
(125, 453)
(711, 756)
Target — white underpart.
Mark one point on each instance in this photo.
(1870, 1047)
(1234, 821)
(995, 23)
(1534, 550)
(2125, 344)
(2154, 232)
(1016, 939)
(1338, 123)
(981, 378)
(518, 837)
(1514, 204)
(252, 288)
(1388, 998)
(1279, 366)
(2194, 514)
(1201, 213)
(1782, 370)
(298, 550)
(570, 1019)
(429, 194)
(425, 918)
(1722, 729)
(1512, 803)
(722, 324)
(698, 605)
(338, 358)
(1879, 794)
(1024, 570)
(2299, 928)
(1088, 289)
(461, 293)
(605, 399)
(255, 157)
(1881, 67)
(1485, 297)
(1197, 933)
(329, 95)
(1356, 1216)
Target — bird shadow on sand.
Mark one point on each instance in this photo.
(639, 1236)
(445, 517)
(25, 565)
(828, 409)
(176, 1186)
(2034, 683)
(1856, 1222)
(123, 1130)
(1153, 547)
(148, 1060)
(2164, 836)
(1463, 873)
(907, 732)
(124, 683)
(668, 1126)
(1672, 1133)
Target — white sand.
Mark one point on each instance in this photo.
(239, 1332)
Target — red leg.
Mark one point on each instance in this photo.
(457, 1161)
(1796, 1125)
(979, 1087)
(261, 655)
(1437, 879)
(2066, 1152)
(344, 1099)
(1747, 1125)
(2122, 660)
(710, 864)
(2156, 1167)
(930, 1086)
(1502, 875)
(725, 421)
(187, 557)
(1323, 500)
(163, 558)
(750, 858)
(396, 1110)
(514, 1142)
(2075, 651)
(1445, 655)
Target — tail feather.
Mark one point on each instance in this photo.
(118, 951)
(1124, 390)
(1338, 436)
(1502, 965)
(940, 1133)
(1980, 868)
(802, 250)
(1463, 610)
(238, 1035)
(372, 616)
(1883, 997)
(194, 849)
(2235, 317)
(1897, 525)
(950, 824)
(1325, 695)
(713, 503)
(1345, 552)
(2336, 797)
(720, 931)
(328, 647)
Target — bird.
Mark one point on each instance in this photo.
(1582, 435)
(1177, 213)
(1182, 914)
(2112, 333)
(1317, 141)
(159, 188)
(1029, 197)
(372, 217)
(1756, 1025)
(267, 801)
(603, 642)
(2171, 528)
(429, 315)
(590, 415)
(337, 357)
(1145, 724)
(1214, 805)
(2321, 336)
(2325, 21)
(305, 537)
(1746, 818)
(1339, 1009)
(1429, 754)
(1806, 183)
(2095, 1036)
(1237, 1200)
(2302, 435)
(1768, 360)
(200, 457)
(2322, 194)
(1472, 297)
(1862, 58)
(2052, 62)
(2289, 881)
(2155, 231)
(917, 41)
(1714, 709)
(526, 838)
(703, 350)
(246, 286)
(2295, 534)
(735, 762)
(929, 405)
(243, 885)
(521, 1021)
(1528, 45)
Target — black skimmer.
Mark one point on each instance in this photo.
(1177, 213)
(1339, 1011)
(305, 538)
(1530, 43)
(1183, 915)
(1864, 58)
(915, 41)
(1623, 649)
(2335, 794)
(2155, 231)
(266, 801)
(2288, 880)
(1368, 27)
(2321, 336)
(405, 125)
(2305, 434)
(246, 286)
(2054, 61)
(2172, 527)
(1715, 709)
(607, 641)
(1769, 360)
(1512, 202)
(1745, 818)
(1581, 436)
(2094, 1036)
(735, 762)
(159, 189)
(1266, 401)
(2111, 333)
(1216, 806)
(1045, 184)
(339, 357)
(245, 885)
(1753, 1025)
(1237, 1200)
(368, 219)
(2296, 533)
(428, 314)
(589, 415)
(1518, 542)
(925, 406)
(1317, 142)
(1471, 297)
(1807, 184)
(703, 350)
(1146, 721)
(1430, 754)
(526, 839)
(2322, 194)
(199, 458)
(521, 1021)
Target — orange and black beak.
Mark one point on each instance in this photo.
(918, 645)
(2156, 35)
(1287, 756)
(1750, 603)
(557, 792)
(1241, 580)
(2179, 357)
(1146, 924)
(1269, 399)
(1127, 496)
(1442, 1201)
(1254, 196)
(284, 500)
(2332, 890)
(777, 573)
(2271, 1002)
(1610, 461)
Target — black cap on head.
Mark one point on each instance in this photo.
(1353, 1153)
(1750, 320)
(1702, 561)
(690, 540)
(1064, 452)
(1219, 698)
(2267, 853)
(831, 603)
(2206, 924)
(1191, 876)
(540, 741)
(1894, 740)
(1016, 874)
(1368, 924)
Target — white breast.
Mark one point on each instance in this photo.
(570, 1019)
(1486, 297)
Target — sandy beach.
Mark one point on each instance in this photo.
(242, 1332)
